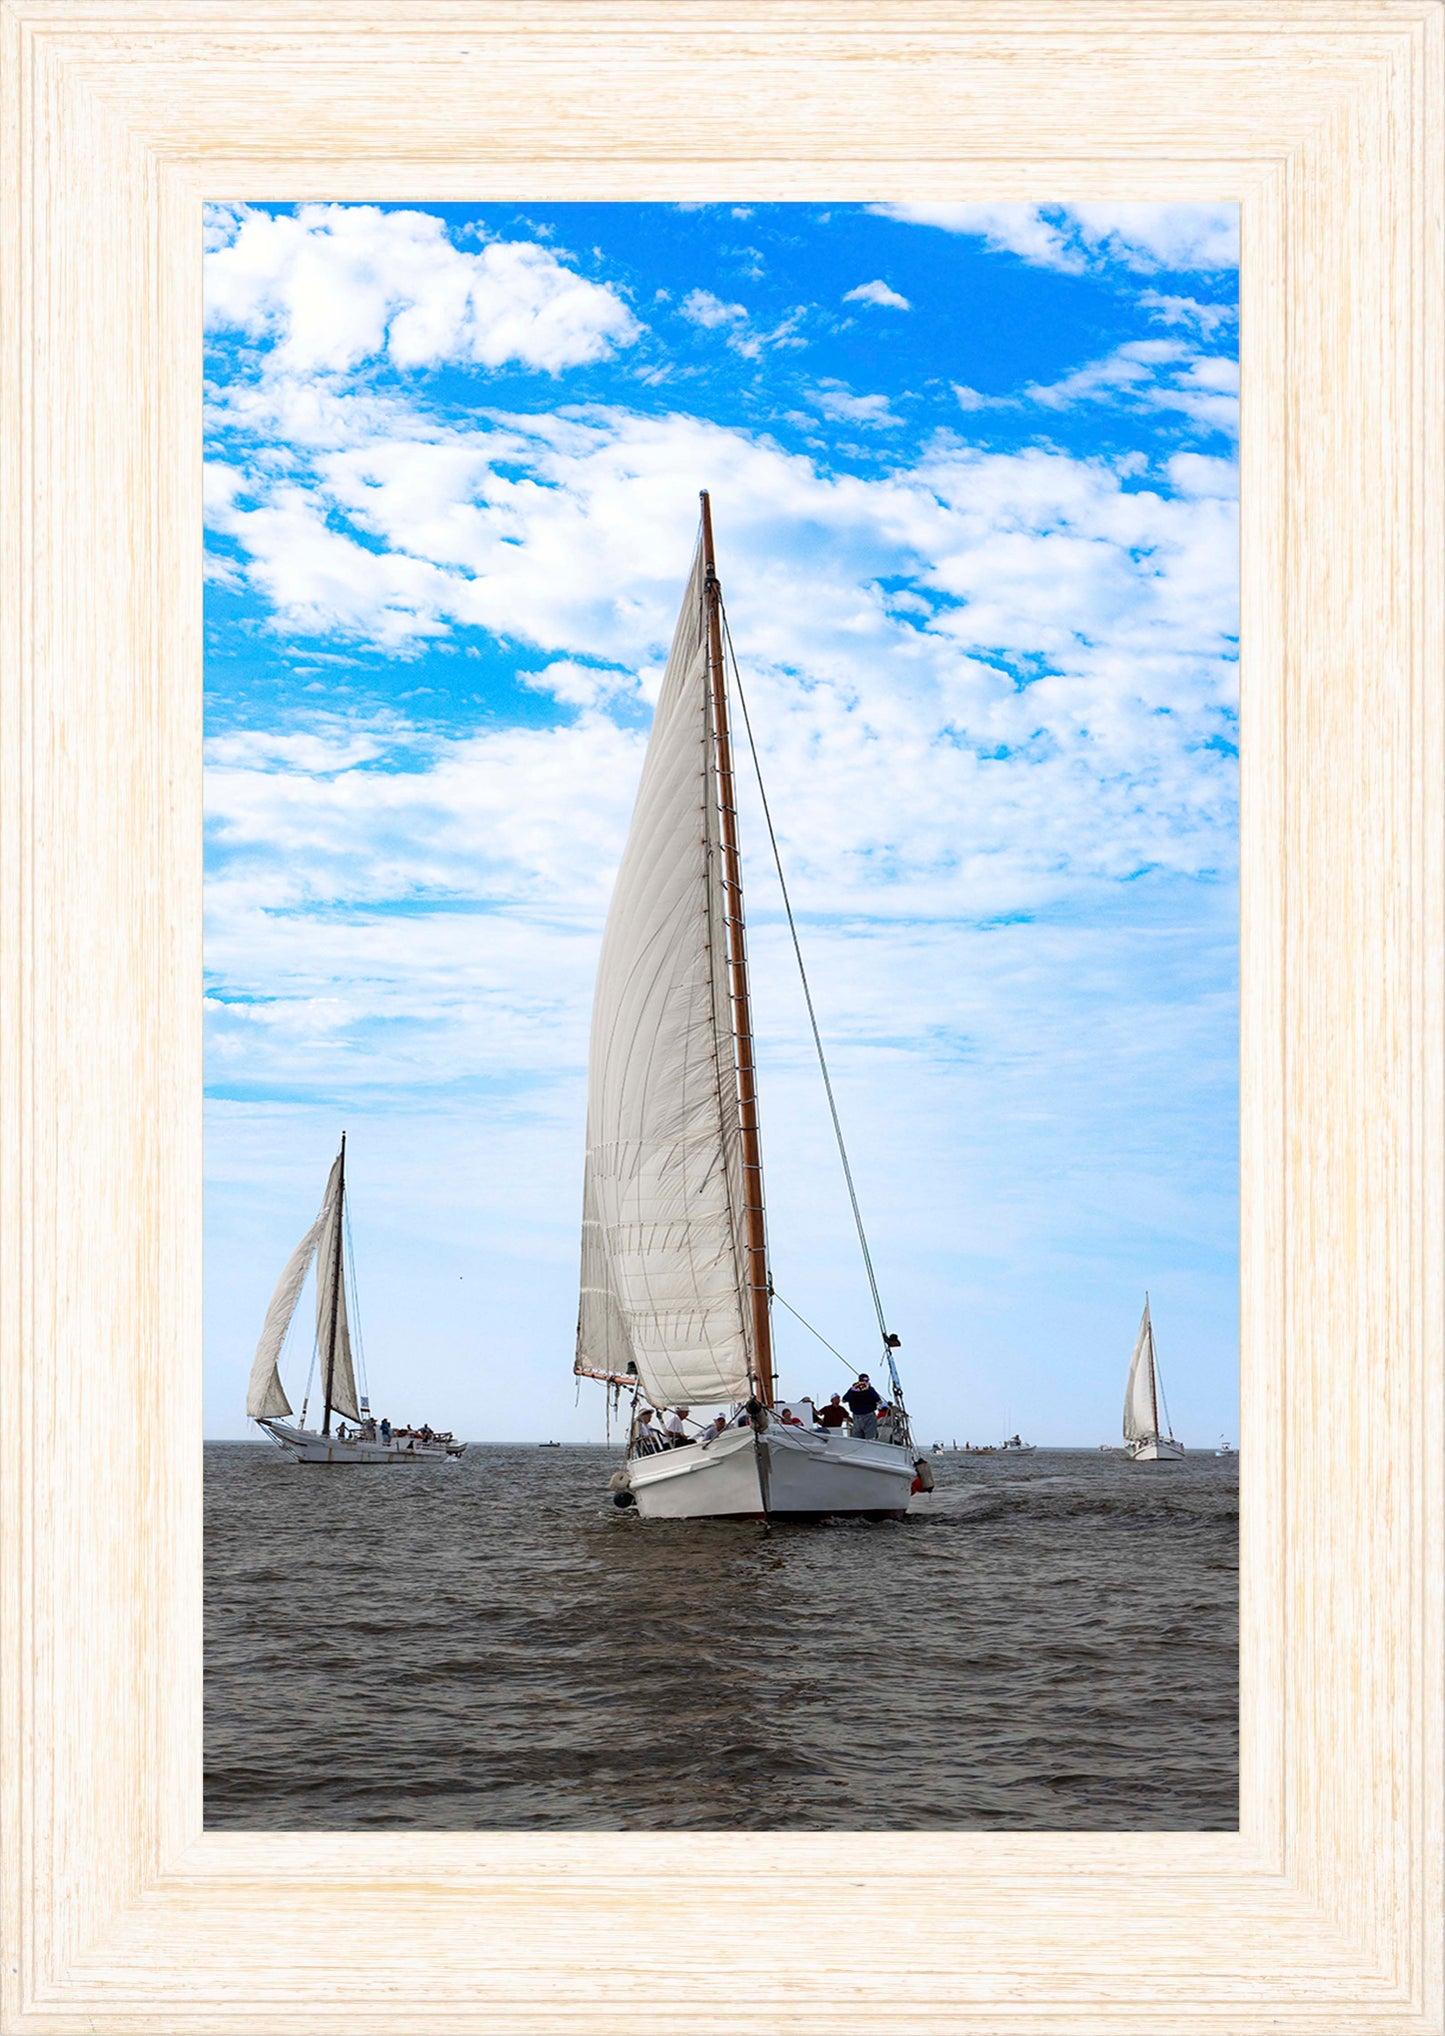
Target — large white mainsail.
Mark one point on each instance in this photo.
(1141, 1397)
(664, 1252)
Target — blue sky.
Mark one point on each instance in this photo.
(974, 484)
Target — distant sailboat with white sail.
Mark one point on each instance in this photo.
(1144, 1438)
(325, 1244)
(676, 1291)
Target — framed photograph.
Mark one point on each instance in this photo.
(947, 298)
(834, 871)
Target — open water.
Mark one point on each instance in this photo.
(1049, 1645)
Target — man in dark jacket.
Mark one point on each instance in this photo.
(863, 1405)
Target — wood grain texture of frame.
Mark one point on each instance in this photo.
(1323, 117)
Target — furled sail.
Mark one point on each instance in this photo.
(1141, 1414)
(329, 1262)
(265, 1395)
(662, 1204)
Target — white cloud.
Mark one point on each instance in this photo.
(877, 292)
(566, 532)
(752, 344)
(1130, 367)
(1013, 229)
(1043, 674)
(1075, 237)
(1192, 473)
(332, 285)
(407, 909)
(222, 572)
(700, 307)
(327, 747)
(836, 400)
(578, 685)
(1206, 319)
(1139, 376)
(1158, 374)
(1207, 391)
(1201, 237)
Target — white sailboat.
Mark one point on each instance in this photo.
(675, 1287)
(1145, 1441)
(266, 1402)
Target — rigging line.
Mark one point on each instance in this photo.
(353, 1318)
(1159, 1388)
(808, 998)
(851, 1369)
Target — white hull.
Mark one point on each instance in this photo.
(308, 1446)
(1155, 1449)
(783, 1470)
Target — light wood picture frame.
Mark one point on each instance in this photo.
(1324, 119)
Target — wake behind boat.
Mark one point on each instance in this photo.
(675, 1291)
(1145, 1441)
(371, 1441)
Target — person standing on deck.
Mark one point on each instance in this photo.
(863, 1404)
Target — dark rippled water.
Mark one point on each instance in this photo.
(1051, 1645)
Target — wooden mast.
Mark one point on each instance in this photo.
(336, 1272)
(754, 1234)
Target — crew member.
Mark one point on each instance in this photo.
(863, 1404)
